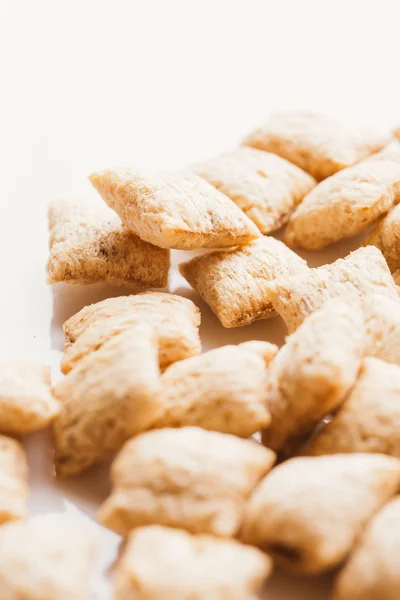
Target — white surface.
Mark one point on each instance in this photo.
(92, 83)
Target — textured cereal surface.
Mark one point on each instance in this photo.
(386, 237)
(313, 371)
(372, 572)
(190, 478)
(88, 244)
(13, 480)
(221, 390)
(362, 272)
(26, 401)
(45, 558)
(382, 319)
(318, 144)
(369, 420)
(174, 210)
(308, 512)
(110, 395)
(236, 283)
(265, 186)
(175, 320)
(160, 563)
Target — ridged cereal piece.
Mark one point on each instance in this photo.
(13, 480)
(174, 210)
(190, 478)
(88, 244)
(26, 401)
(386, 237)
(308, 512)
(318, 144)
(265, 186)
(345, 204)
(110, 395)
(369, 419)
(45, 558)
(175, 319)
(313, 371)
(372, 572)
(382, 319)
(362, 272)
(236, 283)
(160, 563)
(221, 390)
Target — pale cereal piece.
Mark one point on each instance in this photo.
(88, 244)
(368, 421)
(382, 318)
(221, 390)
(372, 572)
(110, 395)
(264, 349)
(386, 237)
(159, 563)
(345, 204)
(318, 144)
(13, 480)
(174, 209)
(26, 401)
(175, 319)
(190, 478)
(236, 283)
(265, 186)
(308, 512)
(45, 558)
(313, 371)
(362, 272)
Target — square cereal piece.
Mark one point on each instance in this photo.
(88, 244)
(265, 186)
(318, 144)
(13, 480)
(174, 210)
(160, 563)
(236, 283)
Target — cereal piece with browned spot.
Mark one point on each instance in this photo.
(110, 395)
(319, 144)
(221, 390)
(372, 571)
(13, 480)
(174, 210)
(88, 244)
(175, 320)
(313, 371)
(236, 283)
(190, 478)
(265, 186)
(159, 563)
(362, 272)
(386, 237)
(308, 512)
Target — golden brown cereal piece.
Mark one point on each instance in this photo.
(13, 480)
(160, 563)
(45, 558)
(110, 395)
(318, 144)
(175, 319)
(396, 277)
(221, 390)
(190, 478)
(265, 186)
(345, 204)
(372, 572)
(362, 272)
(369, 419)
(26, 401)
(308, 512)
(313, 371)
(382, 316)
(174, 210)
(88, 244)
(386, 237)
(236, 283)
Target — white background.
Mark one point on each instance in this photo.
(89, 83)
